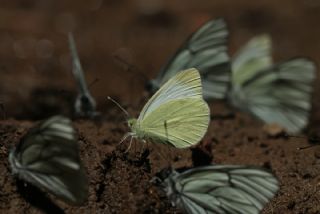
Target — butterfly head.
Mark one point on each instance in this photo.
(132, 123)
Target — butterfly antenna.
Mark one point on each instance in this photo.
(93, 82)
(307, 147)
(294, 136)
(310, 139)
(117, 104)
(131, 68)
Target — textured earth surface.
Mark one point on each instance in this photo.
(121, 44)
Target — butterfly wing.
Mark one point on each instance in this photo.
(176, 114)
(251, 59)
(222, 189)
(76, 66)
(48, 158)
(85, 104)
(278, 94)
(206, 51)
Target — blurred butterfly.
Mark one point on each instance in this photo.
(278, 93)
(48, 158)
(85, 105)
(219, 189)
(175, 115)
(206, 51)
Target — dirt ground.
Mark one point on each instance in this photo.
(36, 82)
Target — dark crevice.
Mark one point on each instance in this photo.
(201, 157)
(226, 116)
(140, 160)
(106, 165)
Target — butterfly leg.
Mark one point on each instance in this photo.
(143, 145)
(129, 144)
(124, 138)
(134, 147)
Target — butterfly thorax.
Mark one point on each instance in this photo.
(135, 128)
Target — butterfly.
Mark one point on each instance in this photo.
(206, 51)
(47, 157)
(279, 93)
(175, 115)
(219, 188)
(85, 105)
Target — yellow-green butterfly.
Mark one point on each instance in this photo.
(48, 158)
(175, 115)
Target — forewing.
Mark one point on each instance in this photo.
(206, 51)
(48, 158)
(279, 94)
(186, 84)
(225, 189)
(180, 123)
(76, 66)
(251, 59)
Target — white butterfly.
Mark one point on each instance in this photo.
(223, 189)
(85, 105)
(206, 51)
(48, 158)
(278, 93)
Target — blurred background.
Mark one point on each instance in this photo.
(119, 40)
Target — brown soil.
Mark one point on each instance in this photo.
(35, 82)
